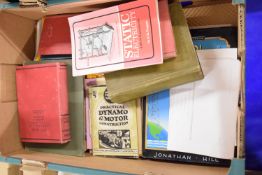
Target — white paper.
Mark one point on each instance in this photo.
(203, 114)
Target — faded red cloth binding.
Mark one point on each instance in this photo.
(43, 103)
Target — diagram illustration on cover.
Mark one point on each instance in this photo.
(119, 37)
(95, 41)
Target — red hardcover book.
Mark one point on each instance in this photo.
(168, 39)
(43, 103)
(55, 36)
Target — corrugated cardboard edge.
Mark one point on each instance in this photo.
(224, 14)
(242, 55)
(131, 166)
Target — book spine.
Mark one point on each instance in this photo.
(174, 156)
(64, 111)
(65, 136)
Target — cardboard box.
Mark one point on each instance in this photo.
(7, 78)
(17, 43)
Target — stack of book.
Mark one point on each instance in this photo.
(144, 96)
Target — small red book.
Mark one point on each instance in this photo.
(167, 34)
(55, 36)
(43, 103)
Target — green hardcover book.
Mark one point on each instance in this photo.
(129, 84)
(77, 145)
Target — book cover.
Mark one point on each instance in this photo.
(115, 38)
(156, 134)
(43, 103)
(55, 36)
(126, 85)
(89, 83)
(214, 37)
(114, 126)
(77, 145)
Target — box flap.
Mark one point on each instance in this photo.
(9, 134)
(8, 83)
(16, 38)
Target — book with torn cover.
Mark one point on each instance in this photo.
(114, 126)
(42, 95)
(115, 38)
(125, 85)
(197, 118)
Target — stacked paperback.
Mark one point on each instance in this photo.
(127, 81)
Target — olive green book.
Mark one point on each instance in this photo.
(130, 84)
(77, 145)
